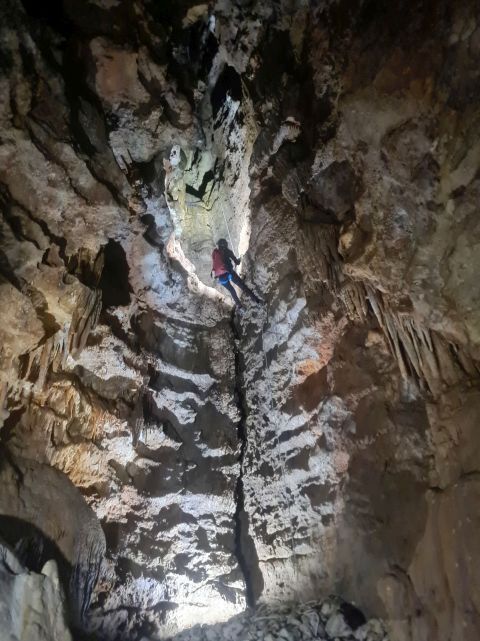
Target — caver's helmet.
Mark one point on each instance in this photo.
(222, 243)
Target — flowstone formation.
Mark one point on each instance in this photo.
(168, 461)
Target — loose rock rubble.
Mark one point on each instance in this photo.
(330, 620)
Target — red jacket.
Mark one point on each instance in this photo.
(218, 266)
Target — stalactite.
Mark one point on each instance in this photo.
(414, 338)
(420, 352)
(430, 370)
(50, 355)
(357, 191)
(392, 330)
(319, 252)
(84, 320)
(353, 297)
(378, 311)
(408, 340)
(87, 565)
(44, 361)
(446, 364)
(464, 360)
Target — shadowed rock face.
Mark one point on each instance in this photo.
(178, 461)
(31, 603)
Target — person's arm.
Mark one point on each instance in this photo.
(233, 257)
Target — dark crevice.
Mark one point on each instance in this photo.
(151, 234)
(51, 158)
(10, 423)
(40, 303)
(7, 273)
(85, 106)
(7, 201)
(114, 279)
(200, 192)
(244, 546)
(49, 14)
(109, 185)
(33, 548)
(13, 221)
(229, 83)
(45, 17)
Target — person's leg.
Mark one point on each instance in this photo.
(233, 293)
(238, 281)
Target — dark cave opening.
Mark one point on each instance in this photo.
(114, 279)
(33, 549)
(228, 83)
(51, 13)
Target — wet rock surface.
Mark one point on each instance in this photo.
(180, 461)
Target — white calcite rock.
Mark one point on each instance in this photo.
(336, 626)
(277, 623)
(32, 606)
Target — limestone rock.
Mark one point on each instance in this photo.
(287, 622)
(337, 626)
(32, 605)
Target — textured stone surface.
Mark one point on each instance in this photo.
(325, 621)
(31, 605)
(325, 442)
(34, 505)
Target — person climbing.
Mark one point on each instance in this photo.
(223, 260)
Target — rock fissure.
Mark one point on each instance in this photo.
(244, 546)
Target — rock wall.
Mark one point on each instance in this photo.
(116, 371)
(32, 605)
(323, 442)
(357, 217)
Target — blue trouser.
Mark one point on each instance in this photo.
(227, 279)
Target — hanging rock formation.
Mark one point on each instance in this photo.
(176, 461)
